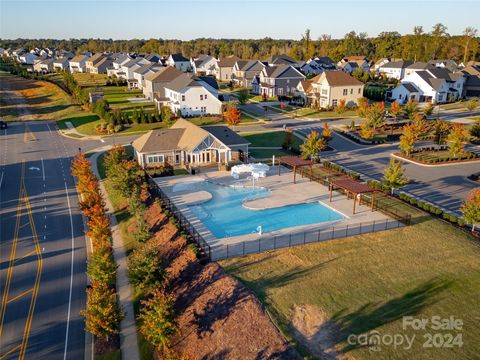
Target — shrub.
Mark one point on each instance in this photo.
(101, 268)
(144, 268)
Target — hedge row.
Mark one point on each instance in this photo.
(352, 174)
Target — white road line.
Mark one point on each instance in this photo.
(71, 274)
(43, 170)
(1, 179)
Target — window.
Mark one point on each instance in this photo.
(351, 91)
(345, 92)
(359, 90)
(205, 96)
(183, 97)
(324, 91)
(153, 159)
(201, 97)
(334, 102)
(288, 81)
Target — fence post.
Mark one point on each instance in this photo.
(290, 240)
(227, 251)
(243, 251)
(346, 231)
(258, 245)
(373, 230)
(318, 238)
(386, 224)
(275, 242)
(360, 228)
(304, 237)
(333, 232)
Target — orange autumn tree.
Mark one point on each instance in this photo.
(395, 109)
(341, 107)
(327, 132)
(232, 115)
(471, 208)
(362, 106)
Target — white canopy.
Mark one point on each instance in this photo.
(257, 170)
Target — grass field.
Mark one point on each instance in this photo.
(270, 139)
(87, 79)
(454, 106)
(315, 114)
(369, 283)
(33, 100)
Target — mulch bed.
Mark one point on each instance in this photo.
(218, 317)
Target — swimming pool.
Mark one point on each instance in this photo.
(225, 216)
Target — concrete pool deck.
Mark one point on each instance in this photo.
(283, 193)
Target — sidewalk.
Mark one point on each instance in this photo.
(128, 330)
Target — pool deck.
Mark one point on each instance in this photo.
(283, 192)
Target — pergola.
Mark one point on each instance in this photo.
(352, 187)
(294, 162)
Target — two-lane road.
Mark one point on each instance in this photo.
(42, 247)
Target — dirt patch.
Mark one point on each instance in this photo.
(314, 331)
(218, 317)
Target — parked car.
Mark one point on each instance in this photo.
(3, 125)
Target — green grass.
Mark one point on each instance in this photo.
(87, 79)
(267, 153)
(259, 98)
(270, 139)
(116, 355)
(315, 114)
(83, 121)
(370, 282)
(462, 105)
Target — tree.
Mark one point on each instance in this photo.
(408, 138)
(458, 135)
(167, 115)
(471, 208)
(366, 130)
(308, 45)
(102, 313)
(144, 268)
(428, 109)
(242, 96)
(395, 109)
(362, 106)
(472, 104)
(411, 108)
(469, 33)
(101, 268)
(312, 146)
(475, 130)
(326, 133)
(341, 106)
(232, 115)
(394, 175)
(376, 115)
(157, 320)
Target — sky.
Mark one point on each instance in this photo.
(185, 20)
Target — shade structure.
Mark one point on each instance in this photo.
(294, 162)
(352, 187)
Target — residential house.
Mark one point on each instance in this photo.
(186, 144)
(118, 60)
(224, 70)
(61, 64)
(472, 81)
(394, 69)
(450, 65)
(327, 89)
(78, 64)
(277, 80)
(127, 69)
(138, 81)
(153, 58)
(245, 71)
(154, 84)
(44, 66)
(27, 58)
(192, 96)
(204, 65)
(281, 60)
(435, 85)
(178, 61)
(417, 66)
(351, 63)
(382, 62)
(92, 61)
(318, 65)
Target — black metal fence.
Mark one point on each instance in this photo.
(194, 235)
(273, 242)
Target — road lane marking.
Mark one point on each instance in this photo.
(43, 170)
(10, 352)
(26, 255)
(71, 274)
(26, 292)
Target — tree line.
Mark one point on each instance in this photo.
(419, 45)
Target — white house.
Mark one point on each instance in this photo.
(351, 63)
(43, 66)
(405, 92)
(138, 81)
(179, 61)
(78, 64)
(394, 69)
(27, 58)
(127, 69)
(417, 66)
(119, 60)
(204, 65)
(61, 64)
(193, 96)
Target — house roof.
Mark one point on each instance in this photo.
(178, 57)
(355, 58)
(228, 61)
(147, 68)
(281, 59)
(306, 85)
(165, 74)
(181, 82)
(61, 60)
(210, 80)
(102, 62)
(400, 64)
(420, 66)
(226, 135)
(278, 71)
(47, 61)
(96, 57)
(79, 58)
(158, 140)
(337, 78)
(192, 135)
(410, 87)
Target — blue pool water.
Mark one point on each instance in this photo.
(225, 216)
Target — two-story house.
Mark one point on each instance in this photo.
(179, 61)
(394, 69)
(204, 65)
(277, 80)
(138, 81)
(154, 84)
(127, 69)
(245, 71)
(224, 70)
(193, 96)
(78, 64)
(116, 67)
(61, 64)
(351, 63)
(44, 66)
(327, 89)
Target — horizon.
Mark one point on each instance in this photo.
(113, 20)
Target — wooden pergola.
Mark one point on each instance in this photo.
(294, 162)
(352, 187)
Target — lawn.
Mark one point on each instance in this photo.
(41, 100)
(315, 114)
(87, 79)
(461, 105)
(270, 139)
(369, 283)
